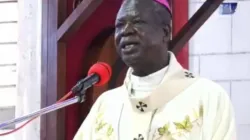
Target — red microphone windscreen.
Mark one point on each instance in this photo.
(103, 70)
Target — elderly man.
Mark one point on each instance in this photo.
(159, 99)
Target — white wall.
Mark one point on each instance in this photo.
(8, 61)
(29, 66)
(220, 51)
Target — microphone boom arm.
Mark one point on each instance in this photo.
(79, 90)
(43, 111)
(97, 75)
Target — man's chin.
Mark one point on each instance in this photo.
(132, 63)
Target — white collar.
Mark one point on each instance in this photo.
(175, 81)
(149, 82)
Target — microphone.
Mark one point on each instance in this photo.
(99, 74)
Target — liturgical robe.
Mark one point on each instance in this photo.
(170, 104)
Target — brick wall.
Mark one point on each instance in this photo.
(220, 51)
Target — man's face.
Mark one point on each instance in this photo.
(139, 37)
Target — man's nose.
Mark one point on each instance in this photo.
(128, 30)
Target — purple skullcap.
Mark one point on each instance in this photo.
(165, 3)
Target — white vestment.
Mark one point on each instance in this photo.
(175, 106)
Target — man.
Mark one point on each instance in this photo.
(159, 100)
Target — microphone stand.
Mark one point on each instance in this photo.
(79, 89)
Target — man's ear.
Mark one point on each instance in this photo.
(167, 32)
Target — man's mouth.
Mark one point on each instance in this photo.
(129, 49)
(128, 45)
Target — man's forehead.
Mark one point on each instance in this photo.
(135, 8)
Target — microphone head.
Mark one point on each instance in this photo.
(103, 70)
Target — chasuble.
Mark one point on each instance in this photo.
(180, 106)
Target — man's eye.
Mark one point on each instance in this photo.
(118, 25)
(138, 21)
